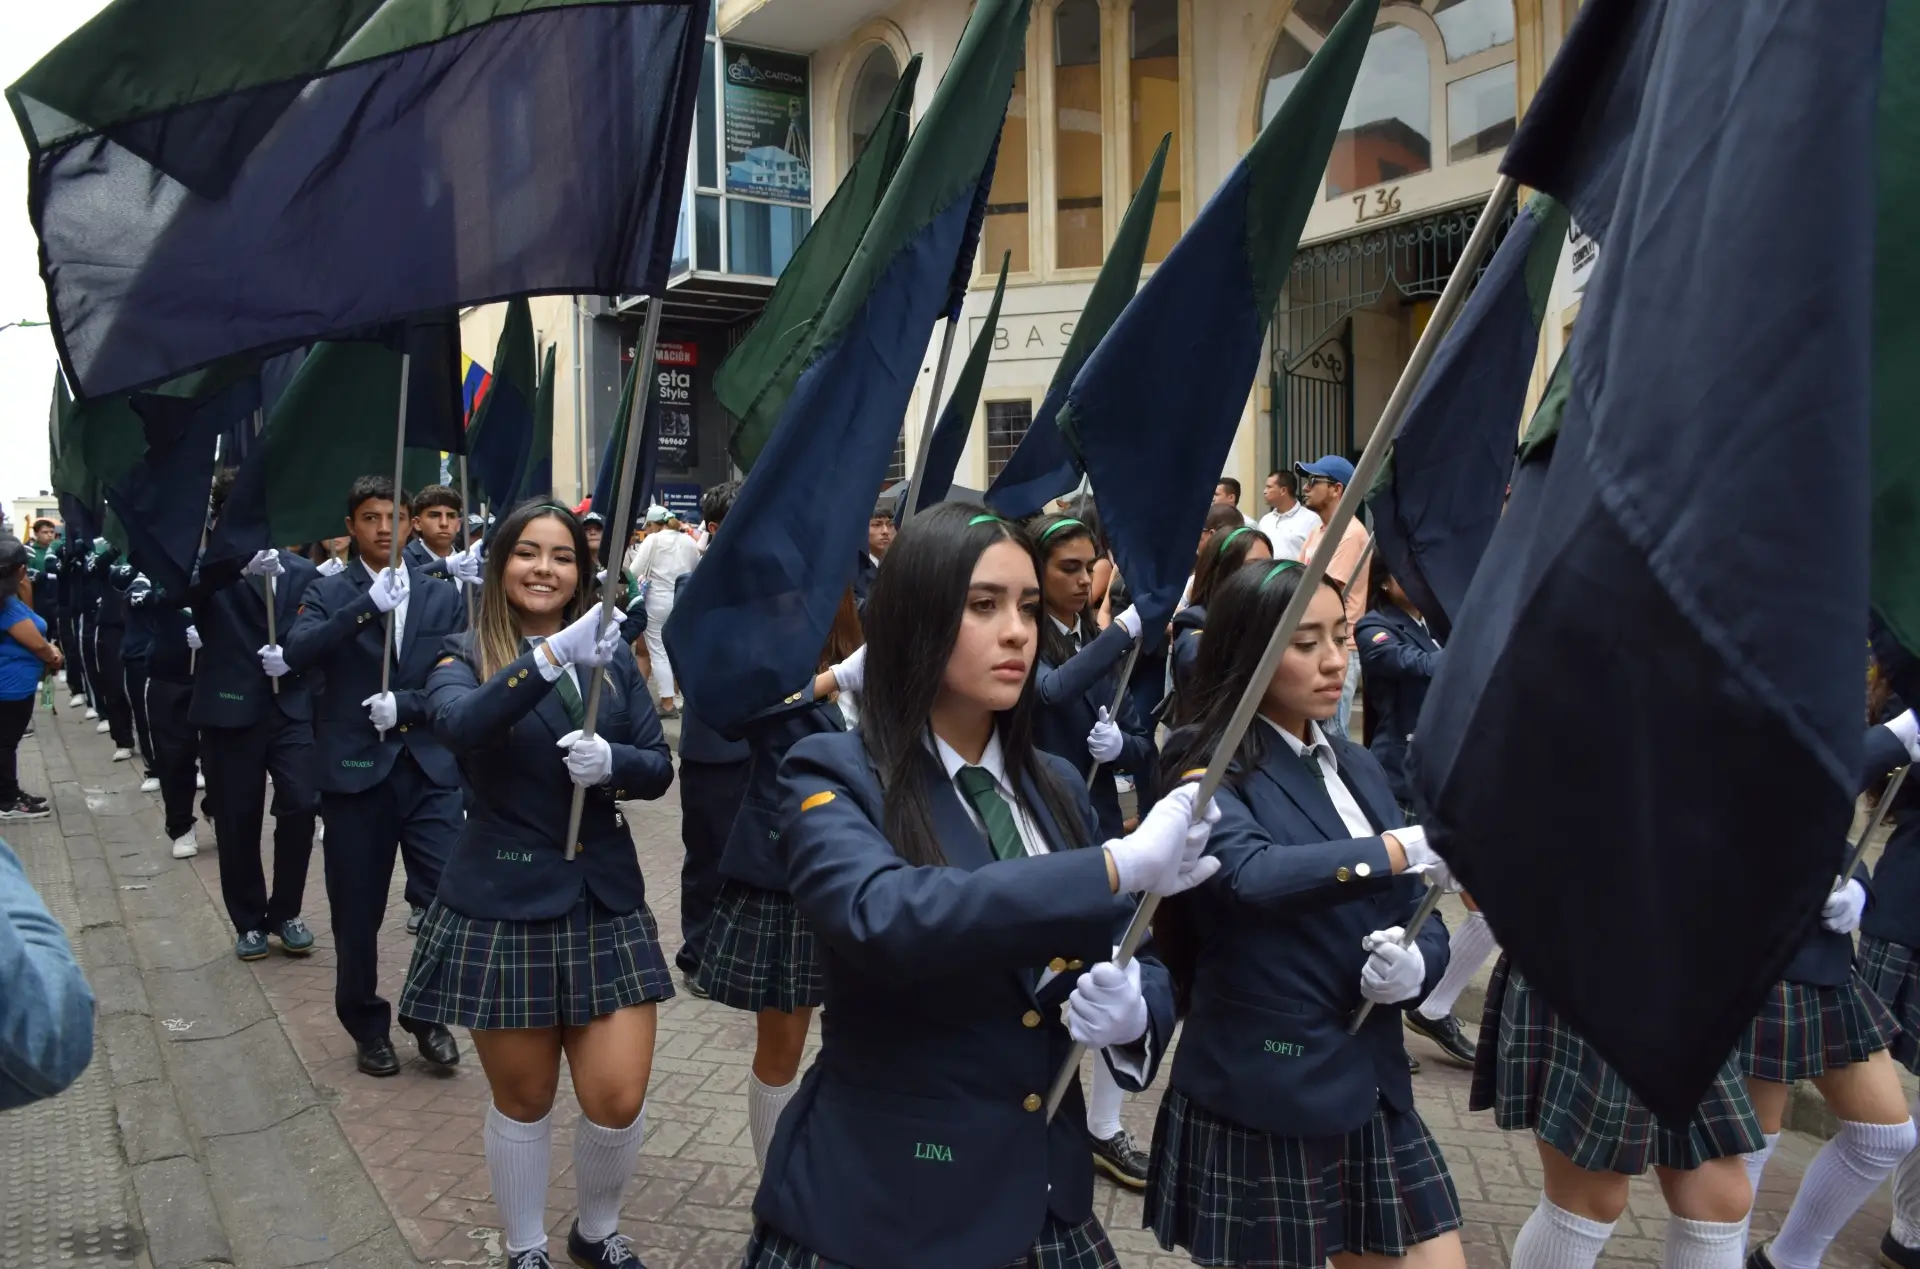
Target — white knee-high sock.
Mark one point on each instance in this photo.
(1757, 1164)
(764, 1104)
(1704, 1244)
(1844, 1175)
(1906, 1195)
(1554, 1238)
(1469, 946)
(602, 1165)
(1103, 1104)
(519, 1161)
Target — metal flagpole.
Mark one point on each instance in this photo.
(466, 509)
(1859, 851)
(396, 560)
(206, 526)
(1119, 695)
(273, 633)
(622, 519)
(933, 417)
(1371, 460)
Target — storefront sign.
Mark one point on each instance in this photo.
(674, 365)
(769, 154)
(1028, 336)
(682, 497)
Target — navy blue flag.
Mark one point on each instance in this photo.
(746, 631)
(162, 502)
(1154, 411)
(1642, 750)
(1438, 499)
(500, 438)
(258, 174)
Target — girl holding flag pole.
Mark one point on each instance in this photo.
(951, 876)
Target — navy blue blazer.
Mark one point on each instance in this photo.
(422, 560)
(701, 743)
(1895, 913)
(1188, 624)
(863, 574)
(1277, 977)
(1824, 958)
(1398, 659)
(511, 861)
(752, 852)
(230, 612)
(1070, 699)
(338, 640)
(918, 1136)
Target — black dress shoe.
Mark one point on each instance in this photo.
(1758, 1257)
(376, 1057)
(1897, 1255)
(1120, 1159)
(435, 1041)
(1447, 1033)
(1413, 1065)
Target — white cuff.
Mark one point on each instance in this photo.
(1907, 729)
(1413, 840)
(548, 670)
(1132, 1060)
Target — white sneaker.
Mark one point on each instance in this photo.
(103, 727)
(62, 676)
(121, 755)
(186, 847)
(150, 785)
(76, 702)
(199, 781)
(92, 713)
(319, 831)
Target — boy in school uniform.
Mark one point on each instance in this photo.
(434, 529)
(387, 785)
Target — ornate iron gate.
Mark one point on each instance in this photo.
(1315, 398)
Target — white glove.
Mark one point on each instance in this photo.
(265, 564)
(1422, 858)
(1907, 728)
(1167, 853)
(851, 674)
(1105, 742)
(390, 589)
(466, 567)
(1129, 621)
(1392, 973)
(589, 759)
(582, 643)
(273, 660)
(193, 638)
(1841, 912)
(383, 710)
(332, 567)
(1106, 1007)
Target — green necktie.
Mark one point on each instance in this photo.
(981, 790)
(1312, 758)
(569, 694)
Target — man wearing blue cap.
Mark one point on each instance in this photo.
(1321, 484)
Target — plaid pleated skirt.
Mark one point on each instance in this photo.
(1535, 1072)
(1060, 1246)
(760, 952)
(1232, 1195)
(1803, 1031)
(510, 975)
(1891, 972)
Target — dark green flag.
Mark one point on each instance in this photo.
(931, 485)
(753, 383)
(536, 477)
(501, 435)
(1895, 470)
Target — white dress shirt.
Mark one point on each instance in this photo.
(399, 614)
(1344, 803)
(996, 766)
(1287, 533)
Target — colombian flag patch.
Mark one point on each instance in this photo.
(817, 800)
(1382, 637)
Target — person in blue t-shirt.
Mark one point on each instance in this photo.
(25, 658)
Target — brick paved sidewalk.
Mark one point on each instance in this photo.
(419, 1135)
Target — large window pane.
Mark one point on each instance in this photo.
(706, 136)
(1387, 132)
(1154, 77)
(1473, 26)
(761, 237)
(1480, 113)
(1007, 205)
(1007, 423)
(1078, 119)
(1290, 58)
(706, 233)
(873, 87)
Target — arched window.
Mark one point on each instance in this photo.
(873, 86)
(1079, 118)
(1452, 56)
(1154, 80)
(1005, 226)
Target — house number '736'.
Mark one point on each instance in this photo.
(1384, 201)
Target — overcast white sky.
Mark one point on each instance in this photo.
(27, 30)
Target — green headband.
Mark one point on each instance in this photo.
(985, 518)
(1227, 541)
(1058, 525)
(1278, 569)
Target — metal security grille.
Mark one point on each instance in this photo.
(1007, 423)
(1314, 399)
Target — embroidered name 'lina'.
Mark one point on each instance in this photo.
(935, 1153)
